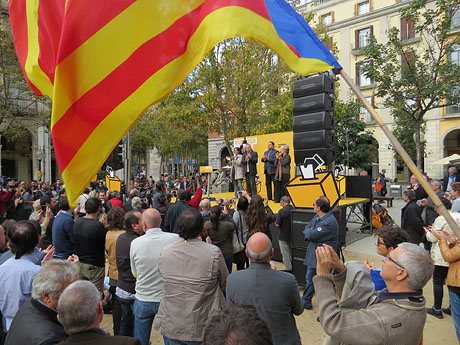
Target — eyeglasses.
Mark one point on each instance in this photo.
(378, 243)
(394, 261)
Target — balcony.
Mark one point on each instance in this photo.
(25, 106)
(320, 2)
(453, 110)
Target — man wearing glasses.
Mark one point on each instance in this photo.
(396, 315)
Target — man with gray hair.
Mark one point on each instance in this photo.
(273, 293)
(39, 314)
(205, 209)
(452, 176)
(283, 222)
(395, 315)
(429, 213)
(80, 312)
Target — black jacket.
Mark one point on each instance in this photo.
(99, 337)
(173, 213)
(126, 280)
(283, 220)
(411, 221)
(35, 324)
(252, 163)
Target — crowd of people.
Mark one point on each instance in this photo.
(161, 256)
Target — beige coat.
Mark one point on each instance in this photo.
(391, 322)
(452, 256)
(194, 276)
(238, 167)
(110, 245)
(439, 224)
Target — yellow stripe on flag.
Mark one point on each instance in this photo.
(32, 68)
(216, 27)
(111, 46)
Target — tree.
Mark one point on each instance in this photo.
(354, 142)
(412, 79)
(239, 84)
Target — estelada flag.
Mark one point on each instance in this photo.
(103, 62)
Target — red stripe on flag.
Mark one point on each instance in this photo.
(50, 19)
(86, 17)
(87, 112)
(18, 20)
(292, 48)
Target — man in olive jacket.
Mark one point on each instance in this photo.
(396, 316)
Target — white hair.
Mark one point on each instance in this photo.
(53, 275)
(136, 202)
(418, 264)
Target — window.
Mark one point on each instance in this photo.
(363, 36)
(326, 19)
(364, 7)
(454, 57)
(407, 29)
(361, 77)
(329, 43)
(455, 108)
(456, 20)
(364, 114)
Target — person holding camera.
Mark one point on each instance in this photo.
(5, 197)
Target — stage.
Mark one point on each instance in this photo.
(275, 207)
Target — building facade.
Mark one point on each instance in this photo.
(351, 23)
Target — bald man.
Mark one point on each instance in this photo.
(144, 256)
(273, 293)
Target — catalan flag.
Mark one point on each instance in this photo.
(104, 62)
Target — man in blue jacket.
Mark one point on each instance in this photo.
(269, 159)
(63, 238)
(322, 229)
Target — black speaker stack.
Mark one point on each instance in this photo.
(299, 219)
(313, 122)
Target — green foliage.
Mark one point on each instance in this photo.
(351, 132)
(242, 86)
(404, 131)
(415, 77)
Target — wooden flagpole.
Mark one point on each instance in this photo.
(405, 157)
